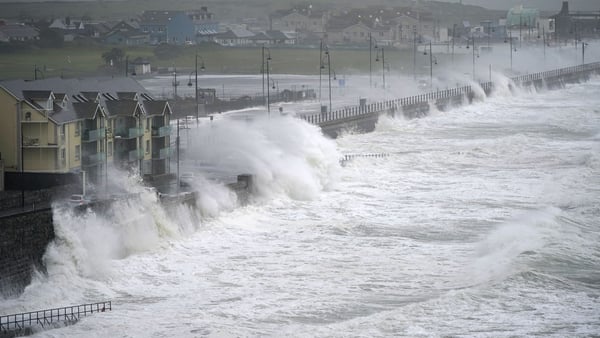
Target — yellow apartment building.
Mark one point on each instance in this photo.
(52, 130)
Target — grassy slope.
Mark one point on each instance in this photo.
(81, 61)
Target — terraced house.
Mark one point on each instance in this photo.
(54, 129)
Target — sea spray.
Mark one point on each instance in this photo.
(285, 155)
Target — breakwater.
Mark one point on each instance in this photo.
(23, 241)
(364, 117)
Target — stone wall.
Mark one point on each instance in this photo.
(23, 241)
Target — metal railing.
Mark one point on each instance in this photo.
(161, 132)
(21, 322)
(91, 135)
(361, 111)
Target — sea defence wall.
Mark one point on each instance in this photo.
(23, 240)
(26, 232)
(364, 117)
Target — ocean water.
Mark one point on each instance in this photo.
(482, 221)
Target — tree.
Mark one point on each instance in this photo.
(114, 57)
(50, 38)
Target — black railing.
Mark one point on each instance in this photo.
(361, 111)
(21, 322)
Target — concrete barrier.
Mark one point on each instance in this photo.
(364, 116)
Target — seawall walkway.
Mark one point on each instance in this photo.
(363, 117)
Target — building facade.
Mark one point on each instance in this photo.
(57, 127)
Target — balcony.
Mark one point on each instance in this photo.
(92, 135)
(162, 154)
(161, 132)
(128, 133)
(136, 155)
(93, 159)
(34, 142)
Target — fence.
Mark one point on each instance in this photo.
(21, 322)
(362, 111)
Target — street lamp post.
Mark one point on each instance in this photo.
(510, 40)
(432, 61)
(35, 71)
(196, 81)
(370, 61)
(382, 64)
(266, 59)
(453, 36)
(520, 29)
(321, 67)
(175, 83)
(473, 39)
(473, 58)
(414, 53)
(583, 44)
(325, 59)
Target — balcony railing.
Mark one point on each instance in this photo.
(162, 154)
(93, 159)
(136, 154)
(129, 133)
(92, 135)
(161, 132)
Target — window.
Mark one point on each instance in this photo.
(147, 124)
(28, 116)
(147, 146)
(77, 128)
(63, 155)
(77, 152)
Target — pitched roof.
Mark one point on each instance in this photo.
(19, 31)
(80, 94)
(37, 94)
(126, 95)
(85, 110)
(122, 107)
(157, 107)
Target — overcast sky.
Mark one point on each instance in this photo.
(544, 5)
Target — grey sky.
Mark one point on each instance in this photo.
(544, 5)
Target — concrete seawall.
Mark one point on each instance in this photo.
(24, 235)
(23, 241)
(364, 117)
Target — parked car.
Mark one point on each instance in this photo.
(185, 179)
(79, 199)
